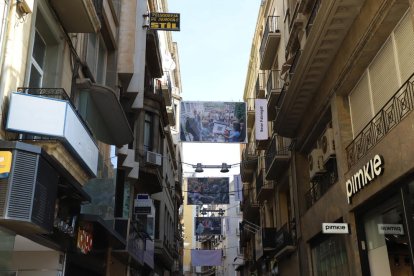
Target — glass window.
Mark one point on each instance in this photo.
(148, 131)
(387, 240)
(329, 257)
(38, 61)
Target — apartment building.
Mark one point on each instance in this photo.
(90, 166)
(333, 180)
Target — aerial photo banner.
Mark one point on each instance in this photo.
(207, 190)
(207, 226)
(213, 122)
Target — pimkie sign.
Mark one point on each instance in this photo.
(371, 170)
(165, 21)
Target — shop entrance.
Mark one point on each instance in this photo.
(387, 241)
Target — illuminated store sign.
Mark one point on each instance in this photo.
(165, 21)
(335, 228)
(372, 169)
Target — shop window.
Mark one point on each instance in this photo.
(386, 239)
(329, 257)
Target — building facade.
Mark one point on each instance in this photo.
(334, 178)
(82, 149)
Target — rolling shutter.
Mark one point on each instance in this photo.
(360, 103)
(404, 40)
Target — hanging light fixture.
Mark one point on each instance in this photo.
(224, 168)
(199, 168)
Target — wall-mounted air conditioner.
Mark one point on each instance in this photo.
(327, 144)
(154, 158)
(315, 159)
(28, 193)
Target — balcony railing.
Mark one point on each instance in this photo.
(277, 156)
(270, 42)
(285, 243)
(250, 112)
(249, 162)
(273, 91)
(321, 183)
(393, 112)
(263, 188)
(260, 85)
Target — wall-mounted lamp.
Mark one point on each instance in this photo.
(199, 168)
(23, 7)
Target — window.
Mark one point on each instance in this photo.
(96, 57)
(45, 58)
(148, 131)
(329, 257)
(390, 68)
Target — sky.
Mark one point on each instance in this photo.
(214, 45)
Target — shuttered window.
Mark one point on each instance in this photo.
(360, 102)
(383, 76)
(404, 41)
(390, 68)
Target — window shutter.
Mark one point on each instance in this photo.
(404, 40)
(360, 103)
(383, 76)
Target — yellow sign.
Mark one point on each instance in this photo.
(165, 21)
(5, 163)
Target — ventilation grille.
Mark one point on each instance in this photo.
(3, 194)
(45, 196)
(22, 182)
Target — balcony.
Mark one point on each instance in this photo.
(392, 113)
(262, 144)
(87, 20)
(260, 86)
(270, 43)
(273, 89)
(277, 157)
(109, 127)
(251, 208)
(166, 88)
(249, 162)
(171, 115)
(269, 239)
(321, 183)
(284, 242)
(331, 25)
(250, 113)
(150, 177)
(48, 115)
(264, 189)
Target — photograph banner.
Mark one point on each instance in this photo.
(213, 122)
(261, 119)
(207, 190)
(207, 226)
(206, 257)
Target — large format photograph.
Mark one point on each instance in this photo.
(215, 122)
(207, 190)
(207, 226)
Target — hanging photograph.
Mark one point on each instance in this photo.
(207, 226)
(207, 190)
(213, 122)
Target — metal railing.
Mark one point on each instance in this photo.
(272, 26)
(393, 112)
(260, 84)
(274, 83)
(278, 146)
(321, 184)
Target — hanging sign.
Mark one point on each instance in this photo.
(260, 106)
(165, 21)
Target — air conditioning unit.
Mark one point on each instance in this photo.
(28, 193)
(154, 158)
(143, 205)
(315, 159)
(327, 144)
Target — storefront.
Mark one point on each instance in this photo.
(385, 231)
